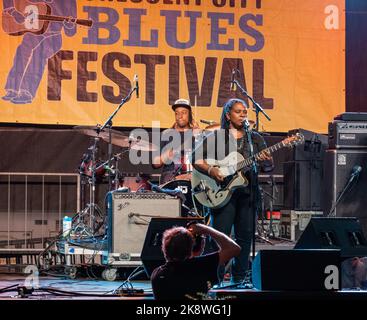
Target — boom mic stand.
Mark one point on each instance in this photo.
(109, 124)
(346, 187)
(257, 107)
(254, 186)
(254, 172)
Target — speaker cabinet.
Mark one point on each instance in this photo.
(345, 234)
(152, 256)
(129, 215)
(294, 270)
(313, 147)
(302, 185)
(337, 172)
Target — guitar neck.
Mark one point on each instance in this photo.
(83, 22)
(249, 161)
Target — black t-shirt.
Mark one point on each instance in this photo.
(182, 148)
(220, 143)
(176, 280)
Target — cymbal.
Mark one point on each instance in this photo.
(212, 127)
(87, 130)
(142, 145)
(126, 141)
(117, 138)
(216, 126)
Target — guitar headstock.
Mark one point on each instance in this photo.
(297, 138)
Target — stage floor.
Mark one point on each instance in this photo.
(52, 288)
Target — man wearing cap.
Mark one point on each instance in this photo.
(170, 157)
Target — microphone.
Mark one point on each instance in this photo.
(246, 123)
(233, 85)
(208, 122)
(136, 85)
(355, 172)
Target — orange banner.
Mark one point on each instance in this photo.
(73, 62)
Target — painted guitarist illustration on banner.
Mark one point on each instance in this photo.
(41, 24)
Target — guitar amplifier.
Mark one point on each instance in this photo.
(129, 215)
(348, 134)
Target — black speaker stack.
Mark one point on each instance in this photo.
(329, 174)
(315, 262)
(303, 172)
(345, 168)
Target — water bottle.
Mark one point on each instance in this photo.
(66, 225)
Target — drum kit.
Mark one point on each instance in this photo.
(90, 220)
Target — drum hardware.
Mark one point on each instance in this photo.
(90, 220)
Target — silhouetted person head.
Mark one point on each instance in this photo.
(177, 244)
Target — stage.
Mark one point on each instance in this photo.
(52, 288)
(90, 182)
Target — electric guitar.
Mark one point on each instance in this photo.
(213, 194)
(37, 17)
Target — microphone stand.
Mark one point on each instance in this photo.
(254, 192)
(257, 107)
(92, 211)
(108, 124)
(351, 179)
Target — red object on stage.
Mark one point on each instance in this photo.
(276, 215)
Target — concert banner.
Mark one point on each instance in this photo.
(73, 62)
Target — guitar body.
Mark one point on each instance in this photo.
(218, 195)
(31, 23)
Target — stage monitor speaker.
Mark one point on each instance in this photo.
(338, 168)
(152, 256)
(345, 234)
(302, 185)
(296, 270)
(129, 215)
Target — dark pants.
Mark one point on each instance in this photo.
(237, 213)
